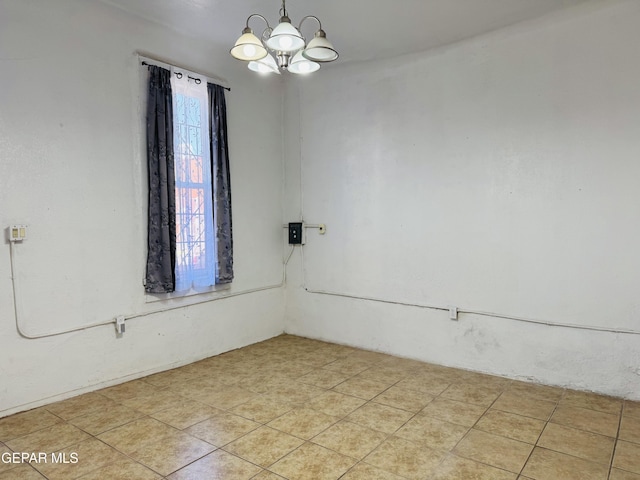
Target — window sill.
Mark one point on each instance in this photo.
(205, 293)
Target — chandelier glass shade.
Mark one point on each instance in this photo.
(319, 49)
(285, 37)
(248, 47)
(283, 47)
(265, 65)
(301, 65)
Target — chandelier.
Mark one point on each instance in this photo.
(283, 47)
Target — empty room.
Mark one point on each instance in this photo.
(320, 240)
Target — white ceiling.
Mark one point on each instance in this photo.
(359, 29)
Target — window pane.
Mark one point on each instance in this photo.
(195, 254)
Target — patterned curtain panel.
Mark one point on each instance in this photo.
(221, 183)
(161, 256)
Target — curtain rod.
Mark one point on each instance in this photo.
(179, 75)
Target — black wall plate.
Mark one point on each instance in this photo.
(295, 233)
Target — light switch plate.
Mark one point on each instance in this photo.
(17, 233)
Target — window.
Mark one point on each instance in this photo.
(190, 240)
(195, 245)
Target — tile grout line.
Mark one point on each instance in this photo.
(387, 435)
(615, 445)
(342, 418)
(451, 453)
(535, 445)
(305, 441)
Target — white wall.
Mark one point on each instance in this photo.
(72, 168)
(498, 175)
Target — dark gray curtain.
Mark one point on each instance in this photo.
(161, 254)
(221, 183)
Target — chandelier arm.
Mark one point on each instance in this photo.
(310, 16)
(265, 36)
(283, 9)
(260, 16)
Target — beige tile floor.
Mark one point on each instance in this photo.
(294, 408)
